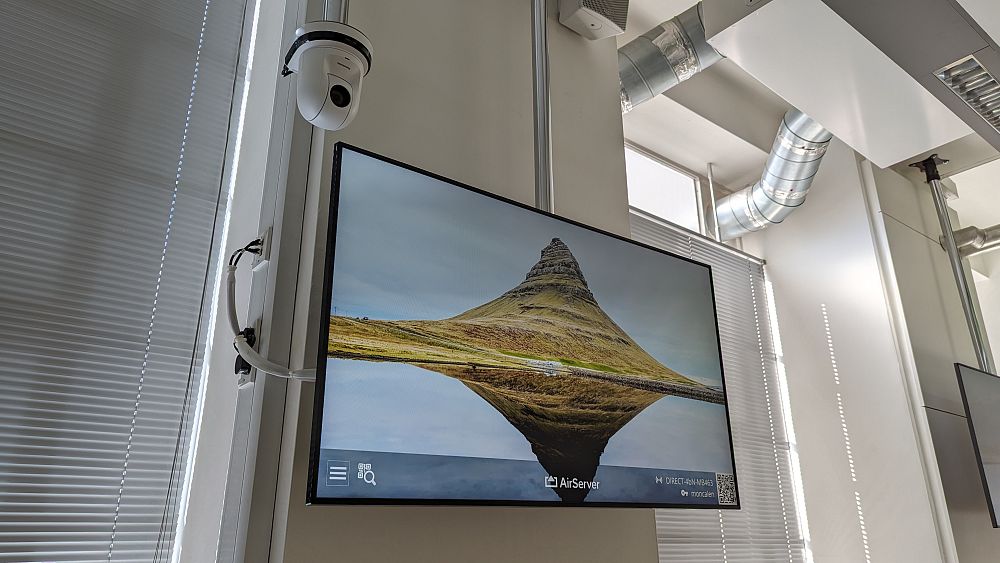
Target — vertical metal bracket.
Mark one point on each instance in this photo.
(543, 120)
(711, 198)
(929, 167)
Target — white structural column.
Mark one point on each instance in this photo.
(933, 335)
(822, 259)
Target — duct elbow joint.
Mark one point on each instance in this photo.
(663, 57)
(795, 157)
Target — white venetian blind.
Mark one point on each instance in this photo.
(767, 527)
(114, 128)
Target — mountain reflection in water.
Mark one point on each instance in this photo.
(567, 420)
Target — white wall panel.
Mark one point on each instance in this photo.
(975, 536)
(844, 377)
(938, 337)
(937, 329)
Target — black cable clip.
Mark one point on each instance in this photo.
(242, 366)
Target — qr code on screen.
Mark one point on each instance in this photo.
(725, 487)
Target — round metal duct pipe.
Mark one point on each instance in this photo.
(795, 157)
(973, 240)
(663, 57)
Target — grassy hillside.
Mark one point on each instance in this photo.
(550, 319)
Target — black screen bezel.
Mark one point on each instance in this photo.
(975, 440)
(323, 335)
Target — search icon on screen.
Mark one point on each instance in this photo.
(369, 477)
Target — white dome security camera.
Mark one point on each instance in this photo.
(330, 60)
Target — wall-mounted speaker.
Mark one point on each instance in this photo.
(594, 19)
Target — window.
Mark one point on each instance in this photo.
(115, 127)
(660, 190)
(770, 526)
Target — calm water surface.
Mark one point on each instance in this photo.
(389, 407)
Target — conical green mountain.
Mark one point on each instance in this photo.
(553, 315)
(550, 321)
(543, 354)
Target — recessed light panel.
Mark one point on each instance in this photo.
(976, 86)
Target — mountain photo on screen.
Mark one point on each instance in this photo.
(480, 351)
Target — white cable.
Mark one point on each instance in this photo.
(258, 362)
(234, 321)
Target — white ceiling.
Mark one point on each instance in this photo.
(671, 130)
(987, 15)
(855, 90)
(644, 14)
(726, 116)
(962, 154)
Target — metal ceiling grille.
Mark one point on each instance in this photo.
(768, 527)
(976, 86)
(114, 123)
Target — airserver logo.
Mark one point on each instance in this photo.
(574, 483)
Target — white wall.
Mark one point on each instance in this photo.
(450, 92)
(824, 255)
(933, 313)
(985, 273)
(937, 333)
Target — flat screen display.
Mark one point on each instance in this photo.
(477, 351)
(981, 394)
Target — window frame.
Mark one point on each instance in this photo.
(699, 184)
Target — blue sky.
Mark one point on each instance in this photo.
(412, 247)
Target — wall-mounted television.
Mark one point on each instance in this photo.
(474, 350)
(981, 395)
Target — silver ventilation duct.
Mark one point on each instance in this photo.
(663, 57)
(795, 157)
(676, 50)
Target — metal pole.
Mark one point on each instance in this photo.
(700, 196)
(336, 10)
(543, 123)
(711, 198)
(929, 168)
